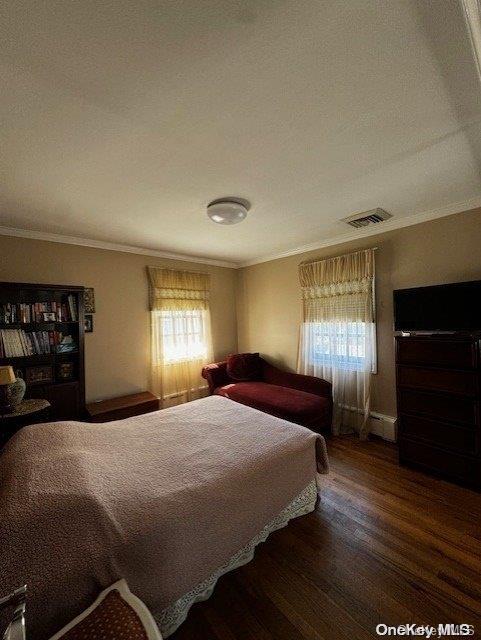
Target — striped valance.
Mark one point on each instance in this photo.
(339, 288)
(170, 289)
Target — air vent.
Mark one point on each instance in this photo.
(374, 216)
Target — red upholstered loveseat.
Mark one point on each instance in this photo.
(305, 400)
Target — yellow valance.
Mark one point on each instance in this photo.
(339, 289)
(170, 289)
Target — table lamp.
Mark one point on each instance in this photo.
(7, 377)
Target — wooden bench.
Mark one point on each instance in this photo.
(123, 407)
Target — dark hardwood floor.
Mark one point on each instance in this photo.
(385, 545)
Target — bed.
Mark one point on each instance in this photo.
(169, 501)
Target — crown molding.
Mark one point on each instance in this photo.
(375, 230)
(390, 225)
(472, 16)
(110, 246)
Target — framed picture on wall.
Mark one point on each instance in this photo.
(89, 323)
(89, 300)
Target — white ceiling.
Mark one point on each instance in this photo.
(121, 120)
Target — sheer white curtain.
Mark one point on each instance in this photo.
(338, 333)
(181, 334)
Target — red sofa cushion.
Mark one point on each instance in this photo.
(290, 404)
(244, 366)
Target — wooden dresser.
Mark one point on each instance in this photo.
(438, 397)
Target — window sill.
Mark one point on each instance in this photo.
(200, 359)
(340, 366)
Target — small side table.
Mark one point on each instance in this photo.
(27, 412)
(124, 407)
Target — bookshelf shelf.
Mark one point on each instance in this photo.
(33, 325)
(62, 380)
(37, 357)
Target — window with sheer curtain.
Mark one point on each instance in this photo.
(182, 334)
(181, 338)
(338, 333)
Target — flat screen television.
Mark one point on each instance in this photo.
(444, 307)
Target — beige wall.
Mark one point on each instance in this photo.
(268, 297)
(440, 251)
(117, 353)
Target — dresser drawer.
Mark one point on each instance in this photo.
(442, 434)
(451, 465)
(464, 382)
(439, 406)
(454, 354)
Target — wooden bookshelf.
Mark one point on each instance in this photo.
(65, 394)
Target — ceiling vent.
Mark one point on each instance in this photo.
(374, 216)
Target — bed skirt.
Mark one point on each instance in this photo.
(172, 617)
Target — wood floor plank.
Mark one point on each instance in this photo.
(385, 544)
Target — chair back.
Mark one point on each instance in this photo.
(16, 599)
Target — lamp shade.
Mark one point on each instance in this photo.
(6, 375)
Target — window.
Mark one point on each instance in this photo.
(337, 340)
(341, 345)
(182, 335)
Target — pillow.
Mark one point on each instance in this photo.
(244, 366)
(116, 614)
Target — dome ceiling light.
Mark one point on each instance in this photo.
(228, 210)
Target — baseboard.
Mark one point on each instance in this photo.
(379, 424)
(383, 426)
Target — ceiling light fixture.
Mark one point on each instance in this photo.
(228, 210)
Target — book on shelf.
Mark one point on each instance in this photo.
(25, 312)
(16, 343)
